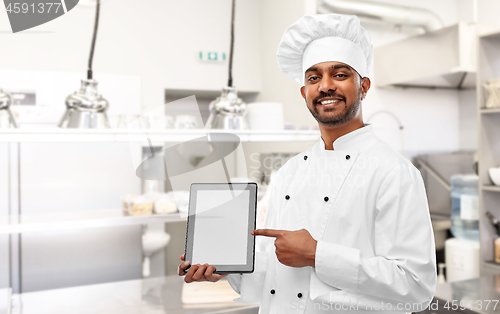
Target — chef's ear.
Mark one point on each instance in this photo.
(303, 91)
(365, 84)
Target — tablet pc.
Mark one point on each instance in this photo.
(220, 219)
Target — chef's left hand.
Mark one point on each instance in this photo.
(293, 248)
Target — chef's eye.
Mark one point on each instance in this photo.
(312, 78)
(341, 75)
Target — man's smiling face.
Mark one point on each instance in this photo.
(333, 92)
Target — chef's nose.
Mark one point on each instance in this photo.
(326, 85)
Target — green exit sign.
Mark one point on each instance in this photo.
(212, 56)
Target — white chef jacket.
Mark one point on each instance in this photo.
(366, 206)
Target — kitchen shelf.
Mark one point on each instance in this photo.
(123, 135)
(204, 93)
(492, 188)
(79, 220)
(486, 111)
(488, 67)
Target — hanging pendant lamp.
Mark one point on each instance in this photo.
(228, 111)
(86, 109)
(7, 120)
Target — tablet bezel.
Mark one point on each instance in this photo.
(252, 215)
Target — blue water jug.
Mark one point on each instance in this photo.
(465, 207)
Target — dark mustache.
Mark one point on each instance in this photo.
(324, 94)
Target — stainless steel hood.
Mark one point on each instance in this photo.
(384, 12)
(445, 58)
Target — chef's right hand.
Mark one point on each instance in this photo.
(198, 272)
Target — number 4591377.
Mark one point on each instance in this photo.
(33, 8)
(478, 305)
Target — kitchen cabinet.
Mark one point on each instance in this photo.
(49, 181)
(489, 147)
(102, 219)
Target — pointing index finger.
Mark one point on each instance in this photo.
(266, 232)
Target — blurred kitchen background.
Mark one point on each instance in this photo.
(80, 230)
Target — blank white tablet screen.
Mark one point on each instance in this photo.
(221, 227)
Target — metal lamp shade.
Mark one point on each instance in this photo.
(85, 109)
(7, 120)
(227, 112)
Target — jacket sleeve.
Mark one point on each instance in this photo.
(403, 269)
(250, 286)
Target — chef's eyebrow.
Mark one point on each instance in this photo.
(312, 69)
(341, 66)
(335, 67)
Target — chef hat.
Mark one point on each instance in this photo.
(320, 38)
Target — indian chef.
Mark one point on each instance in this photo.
(347, 228)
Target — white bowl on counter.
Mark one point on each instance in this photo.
(265, 116)
(495, 175)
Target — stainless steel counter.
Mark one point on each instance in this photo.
(474, 294)
(163, 295)
(148, 296)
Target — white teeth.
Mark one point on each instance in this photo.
(330, 101)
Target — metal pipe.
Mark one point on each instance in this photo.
(94, 37)
(388, 113)
(434, 174)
